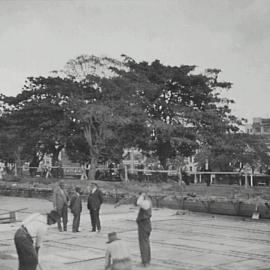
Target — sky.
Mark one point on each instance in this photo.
(37, 37)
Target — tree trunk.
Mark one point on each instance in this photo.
(93, 168)
(18, 161)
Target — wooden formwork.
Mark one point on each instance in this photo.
(8, 216)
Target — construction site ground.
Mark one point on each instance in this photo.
(179, 240)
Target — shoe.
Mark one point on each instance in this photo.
(145, 264)
(98, 231)
(93, 230)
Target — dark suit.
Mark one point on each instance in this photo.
(28, 258)
(95, 199)
(76, 209)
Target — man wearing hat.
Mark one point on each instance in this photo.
(60, 204)
(95, 199)
(117, 256)
(76, 209)
(144, 227)
(34, 226)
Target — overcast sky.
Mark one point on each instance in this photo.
(234, 35)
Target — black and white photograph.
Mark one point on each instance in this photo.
(134, 134)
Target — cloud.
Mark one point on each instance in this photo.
(246, 21)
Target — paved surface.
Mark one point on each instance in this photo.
(185, 241)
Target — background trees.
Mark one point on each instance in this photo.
(37, 118)
(102, 106)
(94, 119)
(110, 121)
(236, 151)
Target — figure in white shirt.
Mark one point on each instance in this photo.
(117, 256)
(29, 236)
(144, 227)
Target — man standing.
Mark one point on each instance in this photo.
(117, 256)
(76, 209)
(95, 199)
(34, 226)
(144, 227)
(60, 204)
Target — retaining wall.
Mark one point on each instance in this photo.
(236, 208)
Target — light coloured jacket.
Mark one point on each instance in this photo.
(60, 198)
(36, 225)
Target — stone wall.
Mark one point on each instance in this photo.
(213, 206)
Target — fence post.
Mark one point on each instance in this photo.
(212, 178)
(251, 180)
(246, 180)
(179, 177)
(126, 174)
(15, 170)
(195, 178)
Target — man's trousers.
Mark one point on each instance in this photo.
(63, 214)
(28, 258)
(76, 222)
(95, 221)
(144, 231)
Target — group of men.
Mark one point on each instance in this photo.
(61, 203)
(117, 256)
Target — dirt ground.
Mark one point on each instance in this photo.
(179, 240)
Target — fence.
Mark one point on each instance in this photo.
(148, 175)
(59, 172)
(240, 178)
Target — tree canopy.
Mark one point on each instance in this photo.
(169, 111)
(185, 110)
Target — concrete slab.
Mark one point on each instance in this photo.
(187, 241)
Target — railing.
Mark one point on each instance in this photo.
(243, 178)
(52, 171)
(151, 175)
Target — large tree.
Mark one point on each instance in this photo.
(185, 109)
(111, 121)
(92, 118)
(37, 117)
(169, 111)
